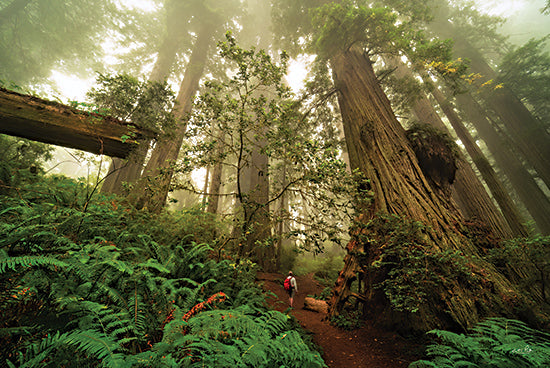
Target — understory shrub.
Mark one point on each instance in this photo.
(348, 320)
(412, 271)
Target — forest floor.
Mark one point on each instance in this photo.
(360, 348)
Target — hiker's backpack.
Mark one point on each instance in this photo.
(287, 284)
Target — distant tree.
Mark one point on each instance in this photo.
(527, 134)
(526, 71)
(255, 112)
(170, 41)
(152, 190)
(144, 103)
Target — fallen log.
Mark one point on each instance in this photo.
(315, 305)
(50, 122)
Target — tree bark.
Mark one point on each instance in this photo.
(258, 222)
(529, 192)
(500, 194)
(152, 190)
(468, 191)
(129, 171)
(216, 181)
(525, 131)
(378, 147)
(50, 122)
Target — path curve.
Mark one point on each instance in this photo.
(367, 347)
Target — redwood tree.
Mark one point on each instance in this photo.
(349, 36)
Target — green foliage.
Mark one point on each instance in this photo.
(37, 36)
(256, 114)
(325, 267)
(412, 271)
(339, 26)
(102, 285)
(145, 103)
(244, 337)
(527, 254)
(22, 161)
(347, 320)
(494, 343)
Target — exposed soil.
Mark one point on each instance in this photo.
(361, 348)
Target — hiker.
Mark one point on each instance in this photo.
(291, 287)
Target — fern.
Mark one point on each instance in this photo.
(234, 337)
(94, 343)
(494, 343)
(129, 289)
(18, 263)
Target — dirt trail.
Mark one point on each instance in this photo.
(367, 347)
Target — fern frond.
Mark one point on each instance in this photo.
(99, 345)
(493, 343)
(14, 263)
(154, 264)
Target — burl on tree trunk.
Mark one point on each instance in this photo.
(378, 147)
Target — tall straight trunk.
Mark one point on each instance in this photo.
(378, 147)
(509, 209)
(282, 224)
(529, 192)
(152, 190)
(205, 187)
(216, 180)
(468, 191)
(257, 222)
(525, 130)
(129, 170)
(259, 219)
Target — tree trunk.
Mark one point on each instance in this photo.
(259, 218)
(527, 132)
(529, 192)
(152, 190)
(468, 191)
(378, 147)
(205, 187)
(129, 171)
(500, 194)
(216, 181)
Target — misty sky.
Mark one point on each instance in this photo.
(524, 21)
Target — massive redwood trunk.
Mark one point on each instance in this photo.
(378, 147)
(151, 191)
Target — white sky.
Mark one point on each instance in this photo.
(501, 8)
